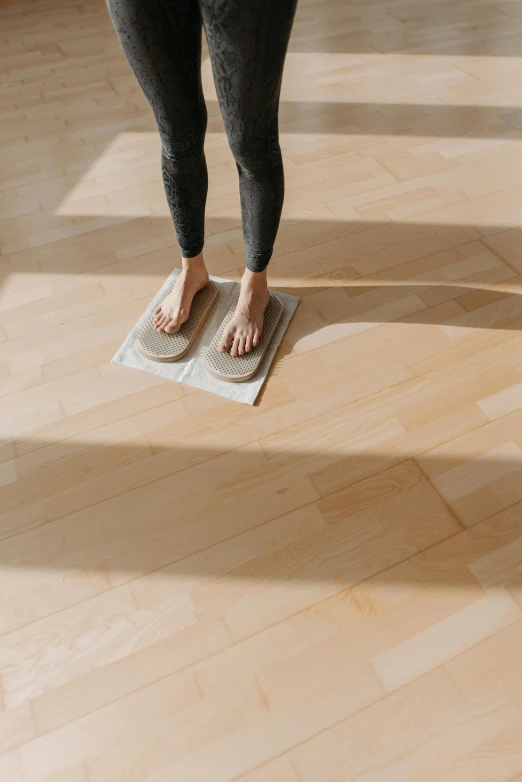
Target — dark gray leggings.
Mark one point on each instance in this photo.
(247, 40)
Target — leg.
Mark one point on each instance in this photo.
(162, 42)
(247, 43)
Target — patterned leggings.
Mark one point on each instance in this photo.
(247, 40)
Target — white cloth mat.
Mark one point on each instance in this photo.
(191, 369)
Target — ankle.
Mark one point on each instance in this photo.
(256, 282)
(193, 264)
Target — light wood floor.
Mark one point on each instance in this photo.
(326, 587)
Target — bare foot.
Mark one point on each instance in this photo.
(243, 332)
(175, 308)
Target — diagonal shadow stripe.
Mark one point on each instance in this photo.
(95, 495)
(393, 119)
(349, 272)
(427, 27)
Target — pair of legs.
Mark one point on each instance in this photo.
(247, 41)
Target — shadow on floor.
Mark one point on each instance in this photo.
(334, 511)
(346, 272)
